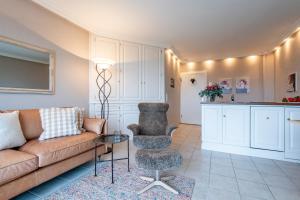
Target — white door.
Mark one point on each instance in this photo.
(212, 123)
(109, 49)
(267, 128)
(130, 71)
(236, 125)
(292, 133)
(190, 99)
(152, 73)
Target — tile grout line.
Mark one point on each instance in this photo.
(289, 178)
(263, 178)
(235, 176)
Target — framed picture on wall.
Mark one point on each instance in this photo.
(172, 83)
(242, 85)
(292, 82)
(226, 85)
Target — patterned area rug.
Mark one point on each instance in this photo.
(125, 187)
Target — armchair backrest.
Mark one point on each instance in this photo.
(153, 118)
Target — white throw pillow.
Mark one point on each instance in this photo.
(58, 122)
(11, 134)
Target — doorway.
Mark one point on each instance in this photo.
(191, 84)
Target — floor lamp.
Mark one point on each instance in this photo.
(104, 88)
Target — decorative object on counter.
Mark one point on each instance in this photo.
(226, 85)
(212, 91)
(172, 83)
(242, 85)
(232, 98)
(193, 81)
(292, 82)
(291, 99)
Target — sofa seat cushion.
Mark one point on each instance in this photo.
(57, 149)
(14, 164)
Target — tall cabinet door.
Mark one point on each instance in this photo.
(212, 123)
(236, 125)
(267, 128)
(108, 49)
(152, 73)
(130, 71)
(292, 133)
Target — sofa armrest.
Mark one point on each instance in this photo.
(135, 128)
(95, 125)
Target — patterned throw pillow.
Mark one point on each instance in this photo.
(58, 122)
(80, 116)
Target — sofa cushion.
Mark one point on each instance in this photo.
(14, 164)
(57, 149)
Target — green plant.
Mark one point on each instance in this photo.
(212, 91)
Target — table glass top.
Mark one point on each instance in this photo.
(111, 138)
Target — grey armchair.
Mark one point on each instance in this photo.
(153, 131)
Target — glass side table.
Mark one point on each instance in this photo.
(111, 139)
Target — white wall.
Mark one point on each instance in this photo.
(250, 67)
(172, 94)
(28, 22)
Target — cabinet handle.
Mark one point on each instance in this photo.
(289, 119)
(224, 115)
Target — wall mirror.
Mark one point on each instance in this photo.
(25, 68)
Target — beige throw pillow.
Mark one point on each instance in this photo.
(11, 134)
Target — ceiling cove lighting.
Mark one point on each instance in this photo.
(231, 59)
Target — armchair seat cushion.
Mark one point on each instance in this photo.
(14, 164)
(158, 159)
(152, 142)
(57, 149)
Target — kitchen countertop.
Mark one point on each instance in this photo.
(256, 103)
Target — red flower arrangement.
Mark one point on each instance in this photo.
(212, 91)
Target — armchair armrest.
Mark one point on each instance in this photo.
(152, 142)
(170, 129)
(95, 125)
(135, 128)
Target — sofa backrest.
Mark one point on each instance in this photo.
(31, 125)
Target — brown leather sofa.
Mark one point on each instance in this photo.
(38, 161)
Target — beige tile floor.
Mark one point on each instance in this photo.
(219, 176)
(222, 176)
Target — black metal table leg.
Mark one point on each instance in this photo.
(128, 155)
(112, 163)
(95, 159)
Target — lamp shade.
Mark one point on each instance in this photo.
(103, 63)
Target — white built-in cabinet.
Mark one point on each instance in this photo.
(267, 128)
(292, 133)
(226, 124)
(137, 76)
(236, 125)
(212, 123)
(269, 131)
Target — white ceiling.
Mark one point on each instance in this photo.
(196, 29)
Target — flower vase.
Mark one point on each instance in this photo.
(212, 99)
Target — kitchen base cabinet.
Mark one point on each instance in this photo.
(292, 133)
(260, 130)
(267, 128)
(236, 125)
(212, 124)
